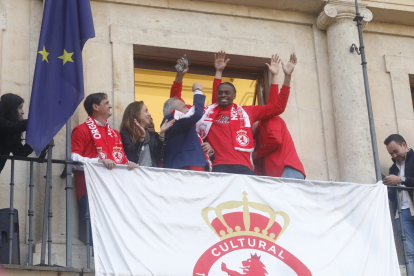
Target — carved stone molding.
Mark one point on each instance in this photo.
(340, 9)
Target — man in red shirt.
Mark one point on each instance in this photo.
(95, 141)
(276, 151)
(228, 127)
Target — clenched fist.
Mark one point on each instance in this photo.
(197, 86)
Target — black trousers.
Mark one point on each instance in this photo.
(235, 169)
(83, 204)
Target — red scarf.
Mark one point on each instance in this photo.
(112, 148)
(241, 128)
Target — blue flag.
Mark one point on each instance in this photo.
(58, 78)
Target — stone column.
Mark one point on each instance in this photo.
(2, 28)
(350, 108)
(123, 75)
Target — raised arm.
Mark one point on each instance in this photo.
(188, 120)
(276, 106)
(220, 62)
(177, 86)
(287, 69)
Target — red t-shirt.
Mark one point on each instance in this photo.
(278, 150)
(220, 137)
(84, 145)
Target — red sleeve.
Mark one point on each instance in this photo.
(273, 95)
(78, 140)
(262, 112)
(216, 83)
(176, 90)
(272, 137)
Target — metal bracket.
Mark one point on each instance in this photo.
(355, 48)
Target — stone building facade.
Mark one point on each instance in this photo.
(326, 113)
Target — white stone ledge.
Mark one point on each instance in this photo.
(222, 9)
(400, 5)
(390, 29)
(201, 42)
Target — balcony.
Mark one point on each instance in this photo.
(54, 254)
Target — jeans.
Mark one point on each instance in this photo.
(235, 169)
(408, 224)
(289, 172)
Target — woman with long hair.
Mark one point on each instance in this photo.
(12, 125)
(141, 146)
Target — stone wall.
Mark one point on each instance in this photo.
(313, 119)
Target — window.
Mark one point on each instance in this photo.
(155, 73)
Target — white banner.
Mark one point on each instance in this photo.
(152, 221)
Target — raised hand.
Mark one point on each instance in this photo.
(197, 86)
(220, 61)
(140, 128)
(181, 60)
(290, 66)
(274, 67)
(165, 126)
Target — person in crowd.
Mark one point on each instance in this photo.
(141, 145)
(401, 173)
(258, 163)
(95, 141)
(176, 90)
(12, 125)
(151, 126)
(276, 151)
(228, 126)
(183, 149)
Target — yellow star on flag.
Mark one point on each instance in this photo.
(44, 54)
(66, 57)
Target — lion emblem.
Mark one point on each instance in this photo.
(251, 267)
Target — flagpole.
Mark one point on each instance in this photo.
(358, 18)
(68, 189)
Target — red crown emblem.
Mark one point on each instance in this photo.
(116, 149)
(246, 223)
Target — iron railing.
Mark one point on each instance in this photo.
(47, 212)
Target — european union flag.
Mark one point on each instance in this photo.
(58, 78)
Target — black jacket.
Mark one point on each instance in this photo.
(7, 145)
(408, 173)
(133, 150)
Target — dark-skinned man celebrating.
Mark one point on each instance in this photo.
(228, 126)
